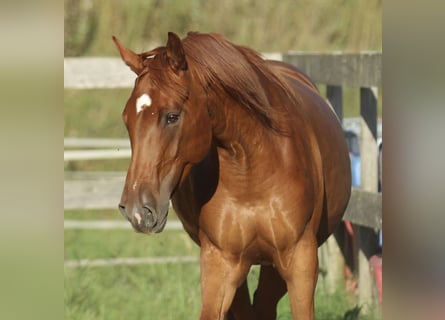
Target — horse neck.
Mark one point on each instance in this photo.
(240, 138)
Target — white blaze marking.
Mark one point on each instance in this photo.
(143, 101)
(138, 217)
(134, 185)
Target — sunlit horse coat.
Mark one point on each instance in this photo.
(253, 159)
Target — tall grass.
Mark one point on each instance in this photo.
(284, 25)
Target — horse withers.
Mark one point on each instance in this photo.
(253, 160)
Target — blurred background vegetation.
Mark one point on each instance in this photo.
(267, 26)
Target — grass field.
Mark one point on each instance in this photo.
(156, 291)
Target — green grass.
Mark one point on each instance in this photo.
(91, 244)
(139, 292)
(169, 291)
(109, 214)
(95, 113)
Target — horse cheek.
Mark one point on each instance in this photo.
(200, 140)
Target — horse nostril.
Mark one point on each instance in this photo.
(122, 209)
(149, 215)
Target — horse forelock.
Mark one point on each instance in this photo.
(157, 67)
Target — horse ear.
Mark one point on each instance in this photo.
(131, 59)
(175, 52)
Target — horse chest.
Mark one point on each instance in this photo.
(253, 232)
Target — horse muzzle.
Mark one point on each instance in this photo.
(146, 219)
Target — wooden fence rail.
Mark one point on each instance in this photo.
(336, 69)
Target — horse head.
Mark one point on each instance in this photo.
(169, 130)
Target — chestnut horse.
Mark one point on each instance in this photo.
(253, 160)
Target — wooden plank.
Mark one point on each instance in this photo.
(71, 155)
(360, 69)
(94, 175)
(112, 224)
(335, 96)
(96, 73)
(365, 209)
(355, 124)
(96, 143)
(368, 109)
(131, 261)
(368, 139)
(93, 192)
(277, 56)
(350, 69)
(97, 224)
(106, 72)
(367, 239)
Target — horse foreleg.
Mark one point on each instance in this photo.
(220, 279)
(300, 272)
(271, 288)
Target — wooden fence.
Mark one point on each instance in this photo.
(361, 70)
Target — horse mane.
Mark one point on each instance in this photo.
(236, 71)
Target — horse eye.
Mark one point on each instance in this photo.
(172, 118)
